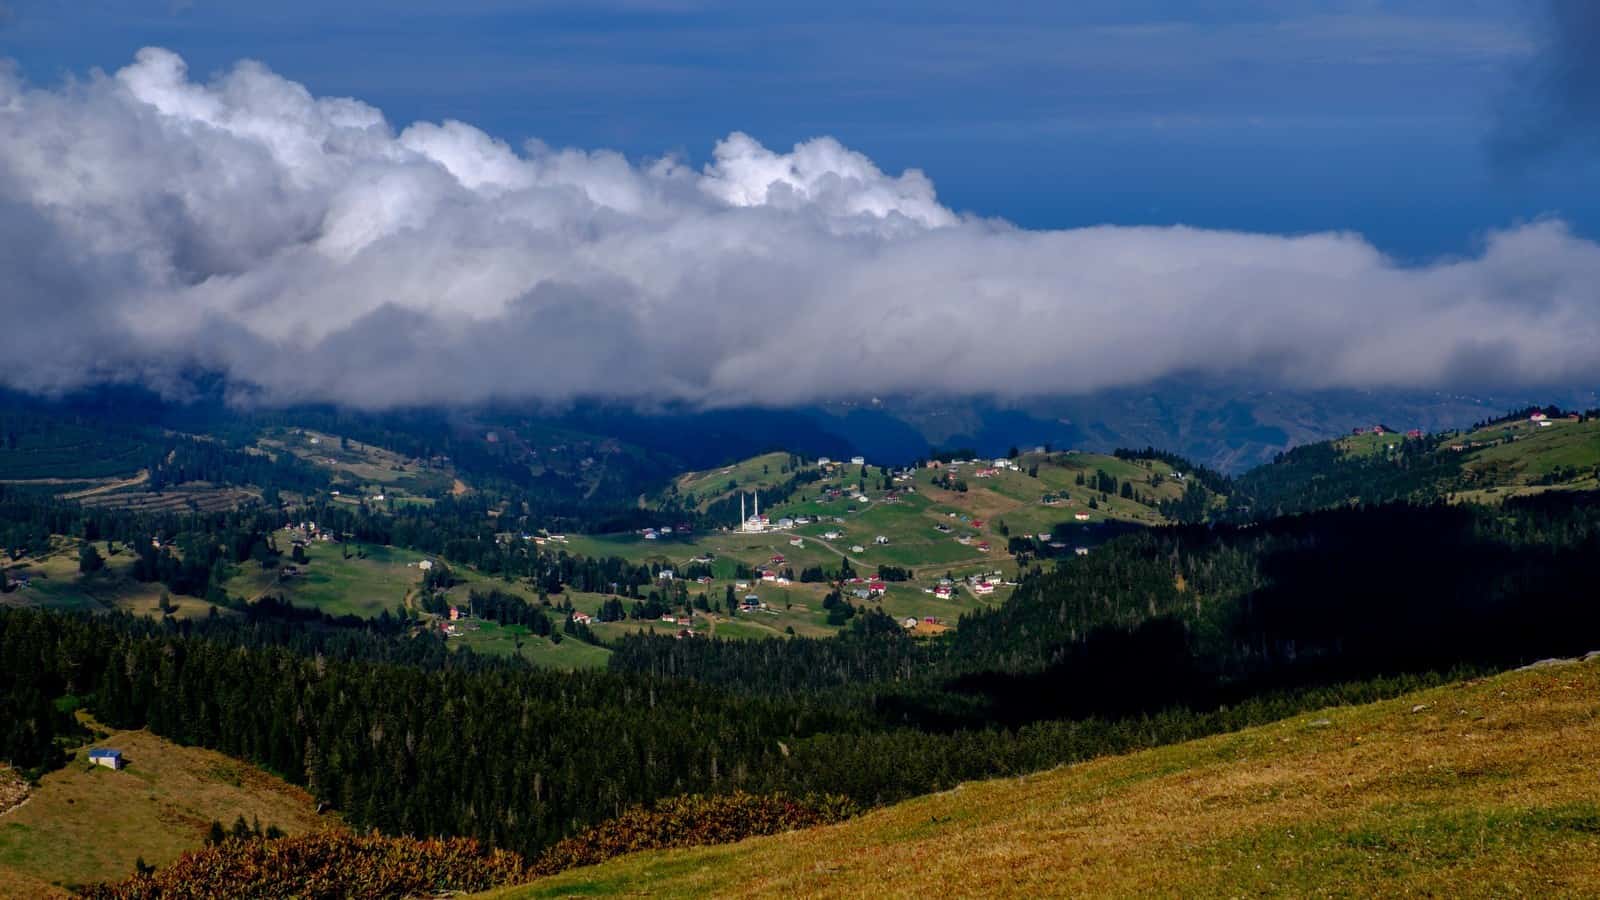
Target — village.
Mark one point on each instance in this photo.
(804, 549)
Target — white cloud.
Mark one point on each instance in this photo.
(157, 225)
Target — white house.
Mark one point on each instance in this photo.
(857, 548)
(858, 460)
(880, 539)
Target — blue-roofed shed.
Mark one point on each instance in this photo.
(111, 759)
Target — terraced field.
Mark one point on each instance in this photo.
(365, 470)
(195, 497)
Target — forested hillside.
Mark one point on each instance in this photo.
(1179, 632)
(1528, 451)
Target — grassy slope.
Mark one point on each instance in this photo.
(389, 577)
(362, 469)
(1503, 460)
(1482, 788)
(56, 584)
(338, 586)
(1522, 452)
(1010, 498)
(752, 474)
(87, 823)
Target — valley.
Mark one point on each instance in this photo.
(777, 623)
(519, 450)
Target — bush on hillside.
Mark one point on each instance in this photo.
(692, 821)
(327, 864)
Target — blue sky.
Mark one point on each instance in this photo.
(1288, 116)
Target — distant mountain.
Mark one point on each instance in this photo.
(1225, 426)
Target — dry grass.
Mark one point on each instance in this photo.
(13, 789)
(1486, 788)
(87, 823)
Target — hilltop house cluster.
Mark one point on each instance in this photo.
(303, 533)
(981, 584)
(665, 531)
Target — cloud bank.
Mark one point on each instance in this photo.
(1554, 103)
(153, 226)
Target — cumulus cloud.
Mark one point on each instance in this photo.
(153, 225)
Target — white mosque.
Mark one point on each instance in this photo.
(755, 522)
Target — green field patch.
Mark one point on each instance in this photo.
(334, 584)
(515, 640)
(757, 473)
(55, 583)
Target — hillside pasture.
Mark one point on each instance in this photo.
(757, 473)
(85, 823)
(373, 579)
(1484, 788)
(365, 468)
(515, 640)
(55, 583)
(1535, 452)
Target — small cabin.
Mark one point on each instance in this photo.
(111, 759)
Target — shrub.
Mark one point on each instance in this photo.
(327, 864)
(692, 821)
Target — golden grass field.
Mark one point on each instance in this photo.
(1485, 788)
(85, 823)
